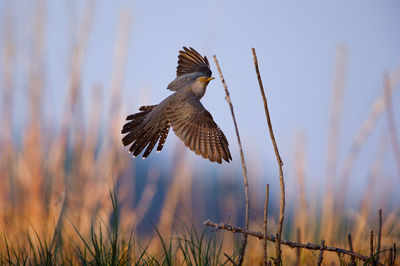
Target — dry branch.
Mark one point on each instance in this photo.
(379, 235)
(265, 224)
(321, 253)
(353, 260)
(245, 180)
(298, 251)
(278, 158)
(371, 243)
(272, 238)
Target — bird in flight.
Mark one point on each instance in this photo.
(182, 111)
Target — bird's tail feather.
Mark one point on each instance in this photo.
(140, 134)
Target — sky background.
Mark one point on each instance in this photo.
(296, 44)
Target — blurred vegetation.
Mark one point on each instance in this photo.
(55, 200)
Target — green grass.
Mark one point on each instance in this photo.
(106, 245)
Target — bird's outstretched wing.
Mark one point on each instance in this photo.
(190, 61)
(194, 125)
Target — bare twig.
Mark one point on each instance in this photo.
(379, 235)
(353, 260)
(387, 86)
(272, 238)
(371, 245)
(265, 224)
(391, 261)
(321, 253)
(394, 253)
(278, 158)
(298, 251)
(245, 180)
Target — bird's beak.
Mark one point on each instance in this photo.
(211, 78)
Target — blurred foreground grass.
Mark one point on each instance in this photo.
(106, 245)
(54, 182)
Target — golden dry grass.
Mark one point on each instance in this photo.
(53, 178)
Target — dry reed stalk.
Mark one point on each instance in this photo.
(7, 154)
(361, 137)
(365, 206)
(119, 65)
(56, 238)
(312, 214)
(117, 78)
(298, 251)
(89, 194)
(302, 212)
(321, 253)
(255, 247)
(391, 261)
(86, 171)
(387, 190)
(174, 197)
(76, 177)
(127, 195)
(379, 235)
(8, 54)
(353, 259)
(111, 161)
(82, 173)
(135, 216)
(390, 226)
(328, 220)
(57, 153)
(309, 246)
(31, 187)
(371, 245)
(265, 224)
(387, 86)
(245, 179)
(279, 160)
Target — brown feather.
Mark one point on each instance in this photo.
(164, 134)
(194, 125)
(138, 137)
(217, 157)
(190, 61)
(152, 143)
(194, 139)
(143, 142)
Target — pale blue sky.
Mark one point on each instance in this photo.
(296, 46)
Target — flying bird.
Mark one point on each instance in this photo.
(182, 111)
